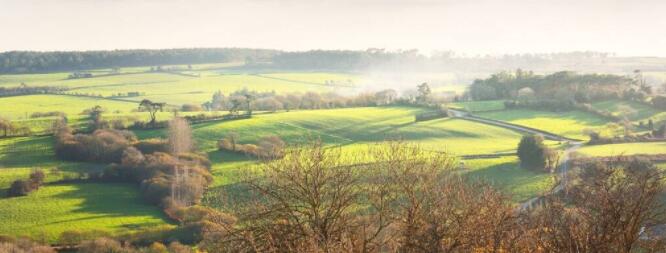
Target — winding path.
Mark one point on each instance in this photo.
(563, 169)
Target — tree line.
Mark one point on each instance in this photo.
(343, 60)
(561, 86)
(249, 100)
(32, 61)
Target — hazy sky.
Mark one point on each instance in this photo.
(636, 27)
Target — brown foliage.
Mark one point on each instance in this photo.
(605, 209)
(410, 200)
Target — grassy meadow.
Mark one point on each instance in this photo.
(56, 208)
(637, 148)
(22, 106)
(571, 124)
(354, 129)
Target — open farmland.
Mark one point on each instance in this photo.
(354, 129)
(23, 106)
(363, 125)
(571, 124)
(53, 209)
(22, 155)
(638, 148)
(180, 89)
(630, 110)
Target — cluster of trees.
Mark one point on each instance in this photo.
(24, 187)
(535, 155)
(29, 61)
(9, 128)
(169, 172)
(23, 245)
(560, 86)
(105, 244)
(342, 59)
(103, 145)
(268, 147)
(409, 200)
(246, 100)
(77, 75)
(24, 89)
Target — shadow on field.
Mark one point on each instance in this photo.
(228, 189)
(27, 152)
(510, 178)
(109, 200)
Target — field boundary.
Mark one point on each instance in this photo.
(301, 82)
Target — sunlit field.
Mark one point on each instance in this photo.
(571, 124)
(53, 209)
(647, 148)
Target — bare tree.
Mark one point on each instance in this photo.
(607, 208)
(180, 136)
(404, 199)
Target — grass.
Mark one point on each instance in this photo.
(645, 148)
(31, 79)
(571, 124)
(479, 106)
(505, 174)
(178, 89)
(53, 209)
(21, 107)
(20, 156)
(356, 128)
(633, 111)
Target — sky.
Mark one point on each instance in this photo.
(468, 27)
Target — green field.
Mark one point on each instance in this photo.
(23, 106)
(119, 208)
(571, 124)
(354, 129)
(505, 174)
(633, 111)
(54, 209)
(353, 126)
(22, 155)
(161, 87)
(645, 148)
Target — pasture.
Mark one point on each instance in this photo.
(354, 129)
(22, 155)
(118, 208)
(353, 126)
(21, 107)
(56, 208)
(571, 124)
(630, 110)
(644, 148)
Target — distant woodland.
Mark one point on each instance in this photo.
(343, 60)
